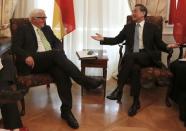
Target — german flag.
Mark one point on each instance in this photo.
(172, 11)
(63, 18)
(179, 29)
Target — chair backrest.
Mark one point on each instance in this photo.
(17, 22)
(157, 20)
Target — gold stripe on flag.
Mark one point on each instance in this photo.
(58, 26)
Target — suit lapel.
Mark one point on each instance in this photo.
(132, 33)
(34, 35)
(145, 34)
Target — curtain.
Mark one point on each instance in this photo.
(6, 12)
(23, 8)
(97, 16)
(91, 16)
(155, 7)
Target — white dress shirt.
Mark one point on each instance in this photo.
(41, 47)
(141, 46)
(1, 66)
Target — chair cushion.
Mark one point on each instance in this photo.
(152, 75)
(155, 72)
(34, 80)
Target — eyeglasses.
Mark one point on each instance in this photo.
(40, 17)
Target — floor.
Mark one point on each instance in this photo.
(95, 113)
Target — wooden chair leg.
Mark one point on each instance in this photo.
(22, 112)
(167, 99)
(48, 86)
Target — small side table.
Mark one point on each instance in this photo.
(100, 62)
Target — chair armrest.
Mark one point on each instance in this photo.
(169, 57)
(120, 54)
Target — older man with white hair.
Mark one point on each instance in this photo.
(38, 50)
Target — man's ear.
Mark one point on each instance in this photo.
(144, 14)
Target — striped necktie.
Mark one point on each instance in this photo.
(136, 38)
(44, 41)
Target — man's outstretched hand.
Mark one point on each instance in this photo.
(98, 37)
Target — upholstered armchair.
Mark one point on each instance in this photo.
(32, 80)
(153, 76)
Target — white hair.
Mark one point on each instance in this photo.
(37, 13)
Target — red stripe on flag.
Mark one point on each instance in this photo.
(172, 11)
(179, 30)
(67, 12)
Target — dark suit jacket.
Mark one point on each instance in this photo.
(8, 72)
(25, 44)
(152, 40)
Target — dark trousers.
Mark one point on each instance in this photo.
(61, 69)
(10, 112)
(178, 90)
(11, 116)
(130, 69)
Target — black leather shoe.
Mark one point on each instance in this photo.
(70, 119)
(94, 83)
(133, 109)
(116, 95)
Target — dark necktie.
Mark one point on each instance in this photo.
(136, 38)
